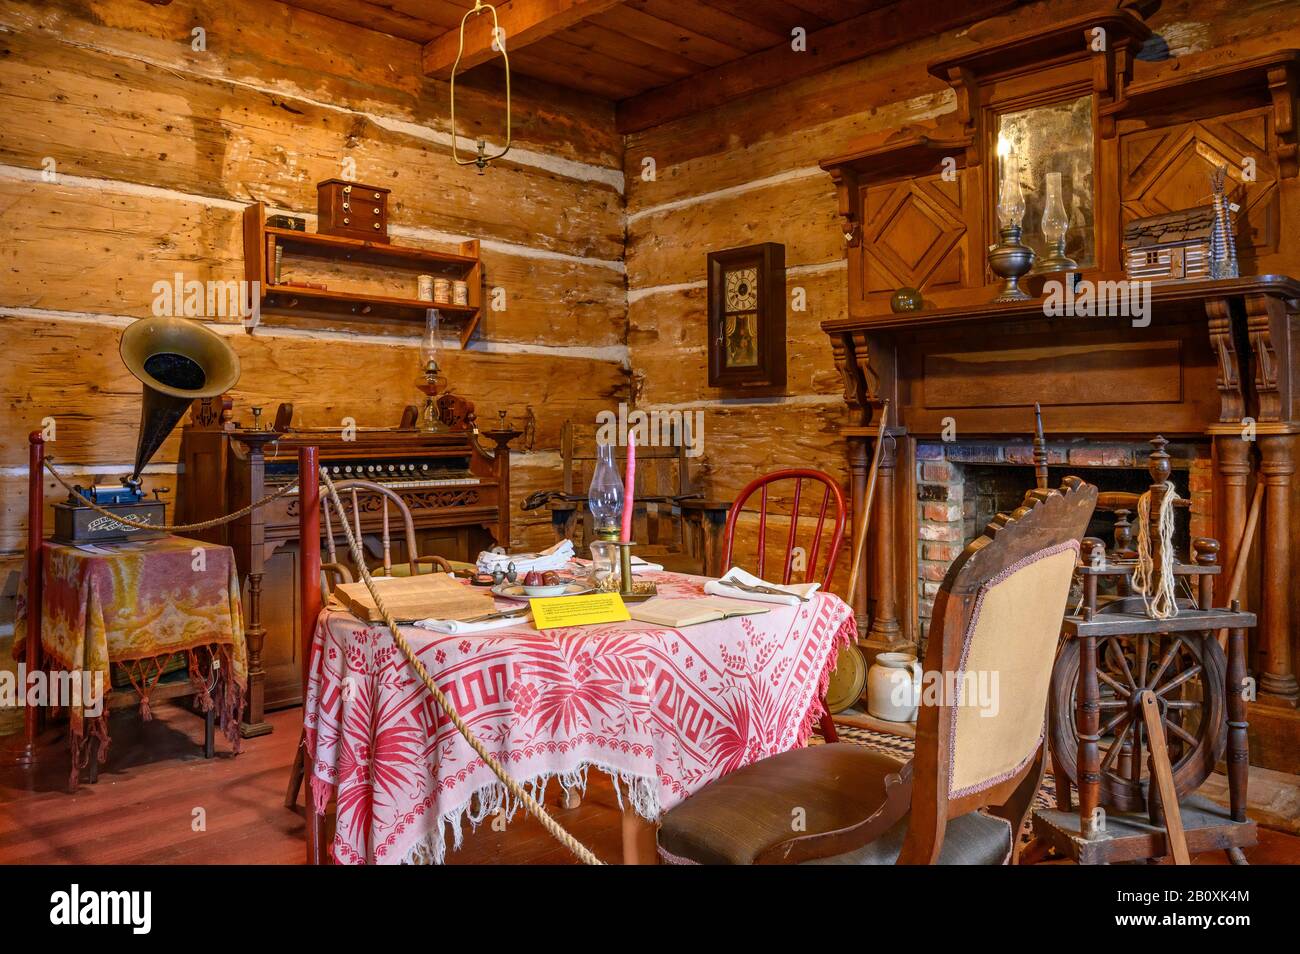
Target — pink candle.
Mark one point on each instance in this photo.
(629, 483)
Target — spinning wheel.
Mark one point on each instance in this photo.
(1186, 673)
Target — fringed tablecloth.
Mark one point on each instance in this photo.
(136, 606)
(662, 711)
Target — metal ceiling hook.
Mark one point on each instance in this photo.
(499, 41)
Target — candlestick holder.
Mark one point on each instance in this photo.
(628, 588)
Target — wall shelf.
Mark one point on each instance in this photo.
(375, 310)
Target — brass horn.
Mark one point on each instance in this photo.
(177, 361)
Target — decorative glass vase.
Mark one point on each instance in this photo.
(605, 495)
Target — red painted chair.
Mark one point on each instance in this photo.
(831, 494)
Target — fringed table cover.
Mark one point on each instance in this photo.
(136, 606)
(663, 712)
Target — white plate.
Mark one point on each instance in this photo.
(515, 591)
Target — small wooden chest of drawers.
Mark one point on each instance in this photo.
(352, 209)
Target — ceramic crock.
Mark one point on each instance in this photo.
(894, 687)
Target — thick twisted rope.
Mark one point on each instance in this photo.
(1156, 584)
(168, 528)
(531, 804)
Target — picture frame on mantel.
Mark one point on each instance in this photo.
(746, 295)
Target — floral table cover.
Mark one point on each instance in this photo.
(662, 711)
(137, 605)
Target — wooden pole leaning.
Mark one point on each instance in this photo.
(860, 544)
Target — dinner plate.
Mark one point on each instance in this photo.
(847, 680)
(515, 591)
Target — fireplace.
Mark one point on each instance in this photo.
(962, 485)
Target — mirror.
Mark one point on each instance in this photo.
(1053, 138)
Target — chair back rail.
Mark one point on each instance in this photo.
(1022, 557)
(832, 502)
(355, 495)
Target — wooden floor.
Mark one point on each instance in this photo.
(155, 787)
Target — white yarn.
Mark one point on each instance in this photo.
(1163, 603)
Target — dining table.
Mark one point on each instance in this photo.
(662, 711)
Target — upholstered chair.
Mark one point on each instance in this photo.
(979, 746)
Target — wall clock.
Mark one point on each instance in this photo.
(747, 317)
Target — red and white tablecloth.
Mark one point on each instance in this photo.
(662, 711)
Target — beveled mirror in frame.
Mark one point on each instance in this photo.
(1050, 149)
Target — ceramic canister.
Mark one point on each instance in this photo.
(442, 291)
(426, 287)
(894, 687)
(460, 293)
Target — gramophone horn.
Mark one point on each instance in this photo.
(177, 361)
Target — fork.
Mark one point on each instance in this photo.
(498, 614)
(769, 590)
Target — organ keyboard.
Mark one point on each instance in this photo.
(458, 493)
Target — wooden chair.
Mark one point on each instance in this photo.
(673, 522)
(367, 496)
(763, 486)
(999, 610)
(362, 496)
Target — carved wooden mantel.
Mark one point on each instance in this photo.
(1214, 360)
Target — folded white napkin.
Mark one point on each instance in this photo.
(719, 587)
(555, 557)
(455, 627)
(645, 566)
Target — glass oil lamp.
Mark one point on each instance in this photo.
(605, 495)
(430, 343)
(1056, 223)
(1010, 259)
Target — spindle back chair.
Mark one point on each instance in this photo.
(364, 496)
(761, 485)
(832, 493)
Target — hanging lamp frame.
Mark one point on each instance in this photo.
(482, 159)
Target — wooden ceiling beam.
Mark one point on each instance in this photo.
(831, 46)
(524, 22)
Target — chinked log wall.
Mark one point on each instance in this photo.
(157, 147)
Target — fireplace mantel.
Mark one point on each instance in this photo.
(1217, 363)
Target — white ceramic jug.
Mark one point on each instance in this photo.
(894, 687)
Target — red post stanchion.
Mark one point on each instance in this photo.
(309, 591)
(32, 715)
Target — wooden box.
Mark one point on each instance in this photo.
(352, 209)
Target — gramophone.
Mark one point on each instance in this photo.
(178, 361)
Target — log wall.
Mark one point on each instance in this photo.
(747, 172)
(155, 148)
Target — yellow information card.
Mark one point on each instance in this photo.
(553, 611)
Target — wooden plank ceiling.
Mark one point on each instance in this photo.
(659, 59)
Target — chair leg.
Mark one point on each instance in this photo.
(296, 776)
(828, 725)
(315, 836)
(1236, 856)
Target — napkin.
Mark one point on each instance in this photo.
(645, 566)
(719, 587)
(555, 557)
(456, 627)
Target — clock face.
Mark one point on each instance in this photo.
(740, 318)
(742, 289)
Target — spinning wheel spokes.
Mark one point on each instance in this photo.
(1186, 677)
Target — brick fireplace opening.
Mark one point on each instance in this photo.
(962, 485)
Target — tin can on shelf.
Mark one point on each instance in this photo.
(426, 287)
(442, 291)
(460, 293)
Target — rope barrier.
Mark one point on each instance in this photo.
(534, 808)
(168, 528)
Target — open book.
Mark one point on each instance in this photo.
(687, 611)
